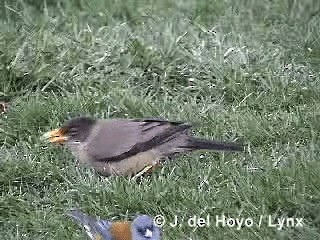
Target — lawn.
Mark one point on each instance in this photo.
(246, 71)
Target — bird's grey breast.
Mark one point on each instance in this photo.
(74, 147)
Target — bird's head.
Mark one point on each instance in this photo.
(74, 130)
(143, 228)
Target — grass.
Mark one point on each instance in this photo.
(245, 71)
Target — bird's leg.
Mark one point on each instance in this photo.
(147, 169)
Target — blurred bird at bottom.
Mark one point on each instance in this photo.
(141, 228)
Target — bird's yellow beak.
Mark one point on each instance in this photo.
(54, 136)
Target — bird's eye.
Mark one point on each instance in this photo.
(141, 230)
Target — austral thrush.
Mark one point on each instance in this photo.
(129, 146)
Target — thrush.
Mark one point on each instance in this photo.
(129, 146)
(141, 228)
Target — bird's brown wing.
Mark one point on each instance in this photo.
(119, 139)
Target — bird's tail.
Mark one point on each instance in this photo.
(94, 227)
(194, 143)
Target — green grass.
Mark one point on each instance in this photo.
(239, 70)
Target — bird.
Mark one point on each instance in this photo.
(141, 228)
(129, 147)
